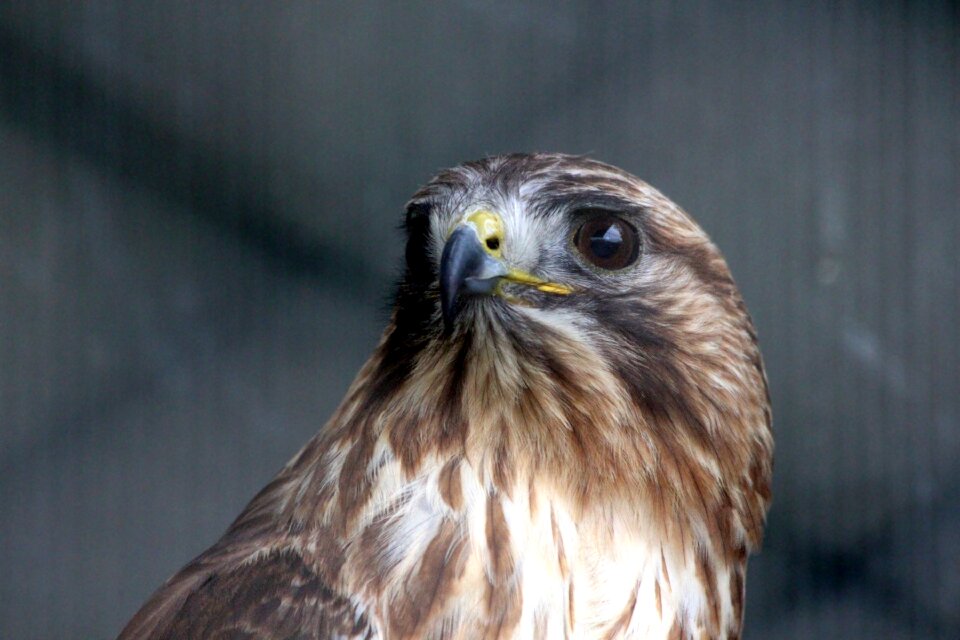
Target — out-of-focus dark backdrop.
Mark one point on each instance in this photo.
(198, 234)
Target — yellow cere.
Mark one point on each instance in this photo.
(489, 226)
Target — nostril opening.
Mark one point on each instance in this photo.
(493, 244)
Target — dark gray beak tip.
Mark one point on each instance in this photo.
(463, 257)
(449, 307)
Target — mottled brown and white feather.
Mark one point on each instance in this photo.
(596, 467)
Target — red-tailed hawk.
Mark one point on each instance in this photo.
(564, 433)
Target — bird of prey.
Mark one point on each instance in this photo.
(563, 433)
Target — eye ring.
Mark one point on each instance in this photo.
(607, 241)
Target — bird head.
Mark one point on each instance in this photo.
(564, 244)
(558, 314)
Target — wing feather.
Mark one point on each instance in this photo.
(271, 596)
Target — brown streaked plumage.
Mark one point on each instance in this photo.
(564, 432)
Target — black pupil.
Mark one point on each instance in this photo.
(606, 240)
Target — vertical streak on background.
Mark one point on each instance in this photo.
(895, 270)
(822, 505)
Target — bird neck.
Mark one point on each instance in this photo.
(478, 450)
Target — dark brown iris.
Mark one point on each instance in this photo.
(607, 242)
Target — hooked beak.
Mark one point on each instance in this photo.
(465, 267)
(471, 264)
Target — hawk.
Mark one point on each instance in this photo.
(563, 433)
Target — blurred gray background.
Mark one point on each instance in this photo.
(198, 234)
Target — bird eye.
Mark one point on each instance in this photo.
(607, 242)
